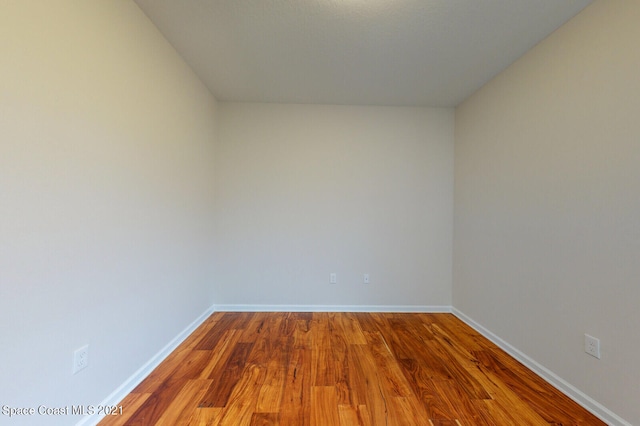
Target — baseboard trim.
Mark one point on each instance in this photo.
(571, 391)
(333, 308)
(124, 389)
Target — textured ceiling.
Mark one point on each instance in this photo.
(358, 52)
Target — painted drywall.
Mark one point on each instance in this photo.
(106, 199)
(303, 191)
(547, 202)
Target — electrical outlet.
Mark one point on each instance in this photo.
(80, 359)
(365, 279)
(333, 278)
(592, 346)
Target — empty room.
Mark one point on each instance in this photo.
(319, 212)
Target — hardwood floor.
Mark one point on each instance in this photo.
(323, 369)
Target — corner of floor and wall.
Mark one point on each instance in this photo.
(517, 210)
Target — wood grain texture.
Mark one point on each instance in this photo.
(343, 369)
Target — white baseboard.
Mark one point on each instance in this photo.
(124, 389)
(565, 387)
(333, 308)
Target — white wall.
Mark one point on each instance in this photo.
(303, 191)
(106, 198)
(547, 204)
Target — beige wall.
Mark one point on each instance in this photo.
(547, 204)
(106, 153)
(303, 191)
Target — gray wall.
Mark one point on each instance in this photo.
(106, 199)
(306, 190)
(547, 204)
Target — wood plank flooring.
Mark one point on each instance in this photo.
(343, 369)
